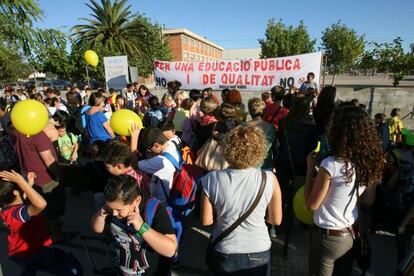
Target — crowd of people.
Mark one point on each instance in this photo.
(197, 152)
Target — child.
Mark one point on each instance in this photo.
(154, 115)
(67, 145)
(187, 124)
(142, 247)
(383, 130)
(167, 106)
(118, 160)
(29, 240)
(395, 124)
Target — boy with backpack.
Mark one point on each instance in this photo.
(141, 228)
(67, 145)
(29, 241)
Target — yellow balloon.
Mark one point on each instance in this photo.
(302, 213)
(29, 117)
(91, 58)
(122, 120)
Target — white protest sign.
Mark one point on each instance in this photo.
(116, 72)
(249, 75)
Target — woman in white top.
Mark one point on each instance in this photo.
(230, 193)
(355, 159)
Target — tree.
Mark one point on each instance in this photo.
(112, 28)
(156, 48)
(342, 47)
(12, 66)
(392, 58)
(281, 40)
(51, 55)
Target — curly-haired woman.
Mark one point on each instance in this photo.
(230, 193)
(355, 160)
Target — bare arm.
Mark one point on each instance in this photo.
(75, 151)
(98, 220)
(275, 205)
(316, 192)
(47, 157)
(134, 130)
(165, 245)
(37, 202)
(206, 210)
(109, 129)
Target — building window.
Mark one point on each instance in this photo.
(191, 42)
(191, 57)
(185, 56)
(184, 39)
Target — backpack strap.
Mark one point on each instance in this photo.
(176, 164)
(150, 209)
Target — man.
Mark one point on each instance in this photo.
(310, 83)
(37, 154)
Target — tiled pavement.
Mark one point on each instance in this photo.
(80, 209)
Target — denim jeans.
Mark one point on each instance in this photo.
(257, 264)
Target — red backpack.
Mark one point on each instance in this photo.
(183, 194)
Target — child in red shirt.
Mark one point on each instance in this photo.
(28, 239)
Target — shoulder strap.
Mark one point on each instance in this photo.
(243, 217)
(275, 114)
(176, 164)
(150, 209)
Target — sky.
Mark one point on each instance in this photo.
(240, 23)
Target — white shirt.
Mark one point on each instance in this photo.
(338, 210)
(232, 192)
(162, 171)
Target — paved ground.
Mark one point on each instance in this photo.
(80, 209)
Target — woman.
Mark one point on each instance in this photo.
(229, 193)
(354, 164)
(97, 124)
(234, 98)
(144, 92)
(119, 103)
(256, 109)
(395, 124)
(141, 106)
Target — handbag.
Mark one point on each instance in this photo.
(361, 246)
(231, 228)
(211, 157)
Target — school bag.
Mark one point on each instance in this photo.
(152, 118)
(151, 207)
(183, 194)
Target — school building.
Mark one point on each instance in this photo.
(188, 46)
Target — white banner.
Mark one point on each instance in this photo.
(116, 72)
(249, 75)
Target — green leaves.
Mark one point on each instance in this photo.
(281, 40)
(392, 58)
(342, 46)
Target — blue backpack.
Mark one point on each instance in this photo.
(151, 207)
(183, 194)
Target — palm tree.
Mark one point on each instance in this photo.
(112, 27)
